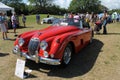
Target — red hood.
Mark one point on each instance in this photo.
(49, 32)
(54, 31)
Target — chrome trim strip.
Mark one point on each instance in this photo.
(50, 61)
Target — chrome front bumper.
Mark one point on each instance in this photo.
(36, 58)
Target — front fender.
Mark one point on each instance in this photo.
(58, 45)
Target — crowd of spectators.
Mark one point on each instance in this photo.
(95, 21)
(6, 23)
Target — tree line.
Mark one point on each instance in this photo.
(48, 6)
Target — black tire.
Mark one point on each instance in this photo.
(91, 39)
(67, 55)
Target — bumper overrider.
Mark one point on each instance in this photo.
(36, 58)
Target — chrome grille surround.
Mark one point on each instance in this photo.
(33, 46)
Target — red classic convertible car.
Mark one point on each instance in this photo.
(53, 45)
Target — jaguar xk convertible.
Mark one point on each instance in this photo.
(55, 44)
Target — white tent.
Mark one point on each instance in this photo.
(4, 7)
(114, 13)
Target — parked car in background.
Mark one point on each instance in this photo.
(53, 45)
(48, 20)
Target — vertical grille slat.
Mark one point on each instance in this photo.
(33, 46)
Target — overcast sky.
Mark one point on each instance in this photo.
(63, 3)
(111, 4)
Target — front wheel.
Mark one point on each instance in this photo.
(91, 40)
(67, 55)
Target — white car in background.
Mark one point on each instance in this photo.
(48, 20)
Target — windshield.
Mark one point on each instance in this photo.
(66, 22)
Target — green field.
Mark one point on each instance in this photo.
(31, 19)
(98, 61)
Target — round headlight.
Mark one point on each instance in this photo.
(21, 41)
(43, 45)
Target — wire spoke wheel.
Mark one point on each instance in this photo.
(67, 55)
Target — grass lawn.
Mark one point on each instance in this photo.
(31, 19)
(98, 61)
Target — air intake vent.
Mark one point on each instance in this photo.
(33, 46)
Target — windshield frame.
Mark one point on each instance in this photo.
(67, 22)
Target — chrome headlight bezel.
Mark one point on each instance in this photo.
(43, 45)
(21, 41)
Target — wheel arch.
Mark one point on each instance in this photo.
(73, 46)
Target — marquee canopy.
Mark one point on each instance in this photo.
(4, 7)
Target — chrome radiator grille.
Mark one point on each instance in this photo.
(33, 46)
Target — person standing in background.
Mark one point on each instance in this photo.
(38, 18)
(3, 28)
(71, 15)
(14, 23)
(5, 21)
(65, 15)
(24, 20)
(104, 18)
(87, 17)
